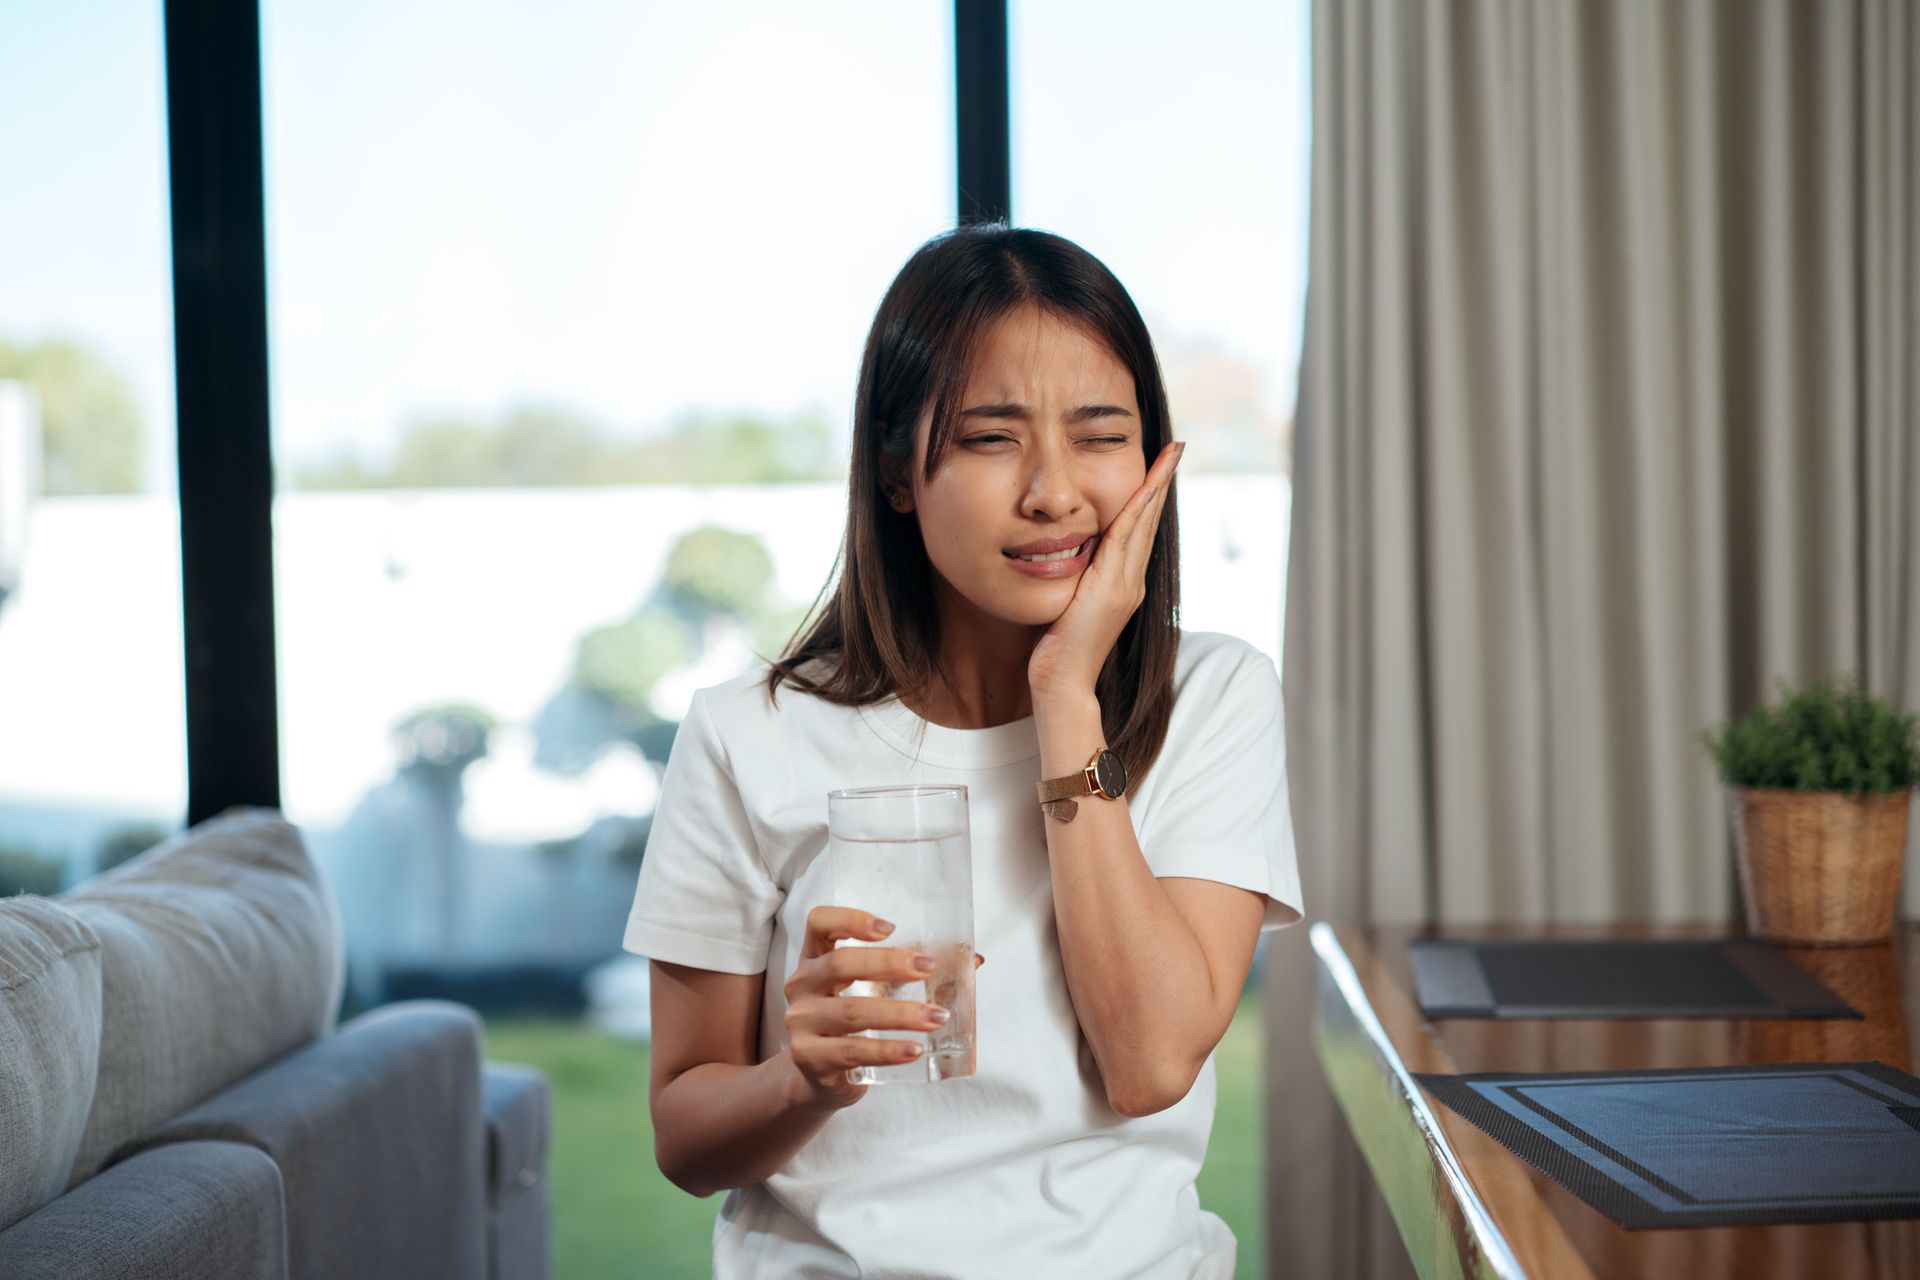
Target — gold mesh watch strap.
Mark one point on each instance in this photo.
(1069, 787)
(1057, 795)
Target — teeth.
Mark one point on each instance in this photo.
(1056, 555)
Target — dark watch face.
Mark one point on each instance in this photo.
(1110, 774)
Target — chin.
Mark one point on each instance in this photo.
(1020, 603)
(1034, 608)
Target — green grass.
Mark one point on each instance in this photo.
(615, 1215)
(1232, 1182)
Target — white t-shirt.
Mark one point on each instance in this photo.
(1021, 1169)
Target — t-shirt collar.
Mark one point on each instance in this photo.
(917, 738)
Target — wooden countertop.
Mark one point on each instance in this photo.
(1467, 1206)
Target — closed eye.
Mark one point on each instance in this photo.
(998, 438)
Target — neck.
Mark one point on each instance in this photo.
(982, 676)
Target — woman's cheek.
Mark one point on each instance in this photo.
(955, 554)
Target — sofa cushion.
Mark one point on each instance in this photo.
(219, 952)
(49, 1048)
(196, 1211)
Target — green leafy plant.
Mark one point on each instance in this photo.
(1828, 736)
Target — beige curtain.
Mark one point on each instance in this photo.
(1608, 421)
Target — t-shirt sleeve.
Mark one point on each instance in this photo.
(1222, 811)
(705, 897)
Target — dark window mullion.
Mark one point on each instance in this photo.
(984, 149)
(220, 370)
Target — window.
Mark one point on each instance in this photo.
(92, 697)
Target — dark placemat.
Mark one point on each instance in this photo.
(1710, 1146)
(1728, 978)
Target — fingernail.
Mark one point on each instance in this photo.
(938, 1015)
(911, 1051)
(923, 963)
(880, 926)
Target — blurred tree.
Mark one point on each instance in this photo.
(623, 661)
(743, 449)
(712, 570)
(26, 871)
(344, 470)
(550, 445)
(435, 746)
(713, 575)
(536, 445)
(92, 438)
(446, 453)
(126, 843)
(773, 625)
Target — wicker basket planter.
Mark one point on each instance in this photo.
(1820, 867)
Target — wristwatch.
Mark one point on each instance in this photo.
(1105, 775)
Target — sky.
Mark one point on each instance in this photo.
(637, 209)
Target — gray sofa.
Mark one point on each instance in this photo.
(176, 1101)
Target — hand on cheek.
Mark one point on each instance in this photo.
(1068, 659)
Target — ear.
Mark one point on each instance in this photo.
(895, 484)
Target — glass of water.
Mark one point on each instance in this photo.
(903, 854)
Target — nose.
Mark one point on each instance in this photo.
(1052, 490)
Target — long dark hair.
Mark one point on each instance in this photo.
(878, 634)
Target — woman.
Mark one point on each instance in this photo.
(1009, 410)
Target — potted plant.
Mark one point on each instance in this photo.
(1819, 786)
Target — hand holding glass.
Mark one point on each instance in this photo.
(904, 854)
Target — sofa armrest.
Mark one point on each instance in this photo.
(378, 1135)
(519, 1121)
(193, 1211)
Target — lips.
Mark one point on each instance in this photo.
(1051, 563)
(1049, 557)
(1057, 548)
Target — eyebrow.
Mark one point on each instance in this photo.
(1085, 413)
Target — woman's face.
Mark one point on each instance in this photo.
(1045, 453)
